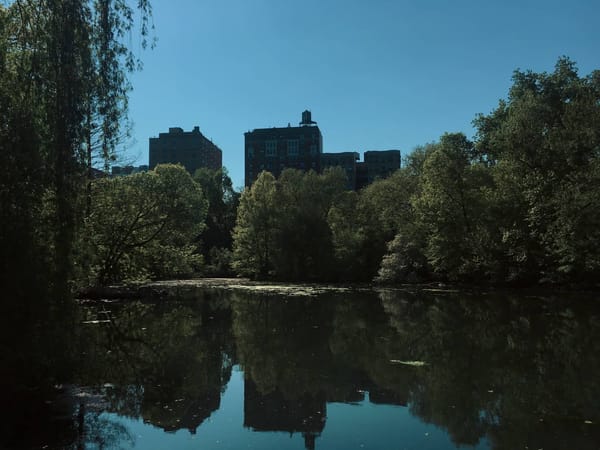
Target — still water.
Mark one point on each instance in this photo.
(217, 369)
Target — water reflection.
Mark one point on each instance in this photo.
(489, 371)
(274, 411)
(167, 363)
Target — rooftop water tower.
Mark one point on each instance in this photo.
(306, 119)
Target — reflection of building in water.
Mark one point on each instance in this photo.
(173, 411)
(382, 396)
(306, 413)
(274, 412)
(194, 412)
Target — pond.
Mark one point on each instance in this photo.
(363, 369)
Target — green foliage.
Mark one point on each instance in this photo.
(144, 225)
(519, 205)
(282, 228)
(414, 162)
(385, 209)
(304, 246)
(543, 146)
(347, 237)
(253, 236)
(405, 261)
(216, 239)
(572, 238)
(452, 209)
(63, 86)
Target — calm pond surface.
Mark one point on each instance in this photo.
(222, 369)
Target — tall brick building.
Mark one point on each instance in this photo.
(346, 160)
(274, 149)
(376, 164)
(188, 148)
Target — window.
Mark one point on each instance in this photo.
(313, 149)
(271, 148)
(292, 147)
(250, 152)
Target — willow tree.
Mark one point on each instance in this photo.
(63, 86)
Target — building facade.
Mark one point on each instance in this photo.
(346, 160)
(376, 164)
(188, 148)
(275, 149)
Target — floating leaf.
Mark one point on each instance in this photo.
(409, 363)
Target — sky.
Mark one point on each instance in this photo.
(376, 74)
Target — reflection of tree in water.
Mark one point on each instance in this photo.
(502, 366)
(363, 341)
(289, 371)
(519, 371)
(282, 343)
(103, 433)
(298, 354)
(472, 365)
(68, 417)
(38, 350)
(168, 363)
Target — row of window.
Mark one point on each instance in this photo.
(293, 149)
(270, 166)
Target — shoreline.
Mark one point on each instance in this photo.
(166, 288)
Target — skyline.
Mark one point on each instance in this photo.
(376, 77)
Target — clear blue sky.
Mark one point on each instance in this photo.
(376, 74)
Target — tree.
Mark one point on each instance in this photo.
(573, 236)
(543, 143)
(253, 235)
(304, 246)
(216, 238)
(63, 62)
(414, 162)
(348, 237)
(144, 225)
(52, 55)
(452, 207)
(282, 230)
(386, 206)
(405, 260)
